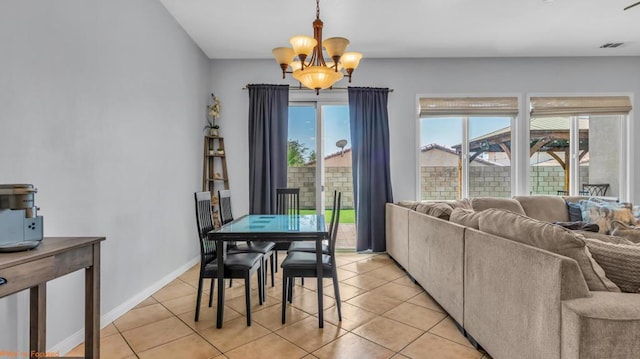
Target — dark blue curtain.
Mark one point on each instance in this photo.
(268, 122)
(369, 121)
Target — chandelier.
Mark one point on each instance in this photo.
(316, 73)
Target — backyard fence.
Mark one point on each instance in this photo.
(436, 182)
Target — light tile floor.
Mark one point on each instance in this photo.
(384, 315)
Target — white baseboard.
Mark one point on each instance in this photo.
(78, 337)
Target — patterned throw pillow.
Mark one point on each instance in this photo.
(604, 213)
(621, 263)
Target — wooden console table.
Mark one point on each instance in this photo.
(53, 258)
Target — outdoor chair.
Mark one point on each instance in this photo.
(591, 189)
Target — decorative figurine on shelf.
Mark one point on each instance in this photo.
(213, 114)
(221, 151)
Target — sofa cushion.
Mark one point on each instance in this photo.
(409, 204)
(438, 210)
(631, 233)
(604, 213)
(465, 217)
(552, 238)
(544, 208)
(482, 203)
(621, 263)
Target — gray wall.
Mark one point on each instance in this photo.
(410, 77)
(102, 107)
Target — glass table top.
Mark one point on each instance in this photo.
(264, 223)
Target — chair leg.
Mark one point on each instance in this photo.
(260, 273)
(230, 282)
(213, 281)
(275, 251)
(285, 285)
(247, 295)
(273, 267)
(336, 290)
(199, 298)
(290, 283)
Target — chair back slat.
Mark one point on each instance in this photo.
(204, 220)
(288, 201)
(224, 202)
(335, 220)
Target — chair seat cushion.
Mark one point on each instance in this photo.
(305, 260)
(307, 246)
(253, 247)
(236, 261)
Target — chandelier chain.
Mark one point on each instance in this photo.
(317, 9)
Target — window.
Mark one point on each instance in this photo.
(577, 146)
(465, 147)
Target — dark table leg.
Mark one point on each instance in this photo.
(92, 307)
(38, 320)
(220, 315)
(320, 277)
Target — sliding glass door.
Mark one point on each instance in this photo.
(319, 158)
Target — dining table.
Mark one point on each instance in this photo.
(272, 228)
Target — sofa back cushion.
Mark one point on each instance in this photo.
(543, 235)
(438, 210)
(544, 208)
(482, 203)
(465, 217)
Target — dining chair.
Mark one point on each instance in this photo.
(287, 202)
(263, 247)
(310, 246)
(303, 264)
(236, 265)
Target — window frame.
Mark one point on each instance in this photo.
(624, 147)
(515, 150)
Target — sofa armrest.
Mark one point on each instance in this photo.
(606, 325)
(397, 233)
(513, 295)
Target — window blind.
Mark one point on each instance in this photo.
(576, 106)
(456, 106)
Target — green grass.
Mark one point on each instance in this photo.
(346, 215)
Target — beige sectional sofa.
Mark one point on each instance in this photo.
(513, 299)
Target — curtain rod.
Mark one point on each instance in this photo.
(308, 89)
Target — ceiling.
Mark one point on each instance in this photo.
(249, 29)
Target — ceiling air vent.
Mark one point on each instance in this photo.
(611, 45)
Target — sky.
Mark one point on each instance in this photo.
(302, 126)
(447, 131)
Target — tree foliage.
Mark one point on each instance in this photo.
(296, 153)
